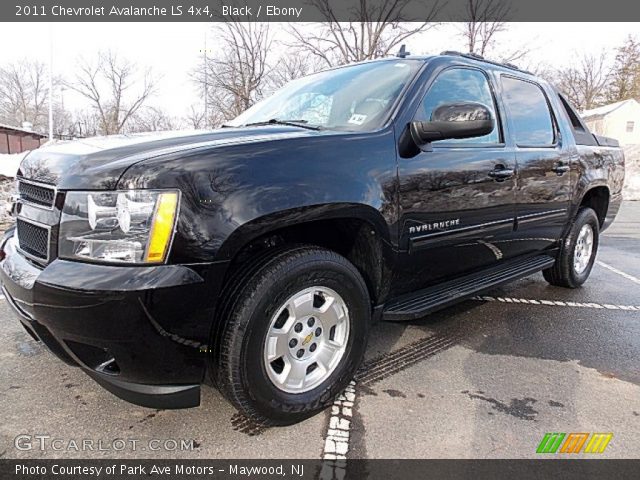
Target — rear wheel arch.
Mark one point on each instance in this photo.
(564, 273)
(597, 199)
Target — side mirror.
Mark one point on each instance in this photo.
(453, 120)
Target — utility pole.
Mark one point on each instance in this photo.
(206, 82)
(50, 81)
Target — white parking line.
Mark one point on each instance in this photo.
(619, 272)
(557, 303)
(336, 444)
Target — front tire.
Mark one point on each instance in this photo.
(294, 335)
(577, 253)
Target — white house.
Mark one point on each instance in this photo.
(620, 120)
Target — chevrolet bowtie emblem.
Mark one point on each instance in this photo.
(307, 339)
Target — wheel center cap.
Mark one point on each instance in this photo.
(307, 339)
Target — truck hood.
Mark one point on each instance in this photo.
(98, 163)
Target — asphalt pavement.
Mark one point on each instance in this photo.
(487, 378)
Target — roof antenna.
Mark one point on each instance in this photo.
(403, 52)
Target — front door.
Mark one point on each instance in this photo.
(458, 198)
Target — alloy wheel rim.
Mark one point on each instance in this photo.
(306, 340)
(583, 249)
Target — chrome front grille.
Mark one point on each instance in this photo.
(38, 194)
(33, 239)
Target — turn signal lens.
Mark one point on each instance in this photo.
(162, 227)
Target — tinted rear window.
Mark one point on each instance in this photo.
(530, 116)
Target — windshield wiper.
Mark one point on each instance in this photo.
(292, 123)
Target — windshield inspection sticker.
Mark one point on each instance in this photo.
(357, 119)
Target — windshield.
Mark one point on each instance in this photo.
(356, 97)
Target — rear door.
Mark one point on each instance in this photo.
(543, 191)
(452, 203)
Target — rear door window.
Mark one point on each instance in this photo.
(529, 112)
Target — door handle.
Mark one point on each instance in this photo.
(561, 169)
(500, 173)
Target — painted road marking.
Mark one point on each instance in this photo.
(336, 443)
(619, 272)
(557, 303)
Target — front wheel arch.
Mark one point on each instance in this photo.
(357, 232)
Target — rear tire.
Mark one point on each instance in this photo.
(303, 313)
(577, 253)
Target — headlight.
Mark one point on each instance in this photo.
(132, 226)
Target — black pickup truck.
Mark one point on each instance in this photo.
(260, 253)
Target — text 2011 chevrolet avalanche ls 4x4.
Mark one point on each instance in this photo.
(261, 253)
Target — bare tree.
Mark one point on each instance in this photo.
(541, 69)
(382, 27)
(291, 67)
(152, 119)
(63, 124)
(115, 87)
(86, 123)
(24, 94)
(584, 83)
(195, 117)
(234, 77)
(625, 76)
(485, 19)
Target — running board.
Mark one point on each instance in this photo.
(417, 304)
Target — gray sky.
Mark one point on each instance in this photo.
(172, 49)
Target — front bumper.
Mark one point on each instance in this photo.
(140, 332)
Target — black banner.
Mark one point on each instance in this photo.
(317, 469)
(318, 10)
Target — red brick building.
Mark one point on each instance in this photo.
(17, 140)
